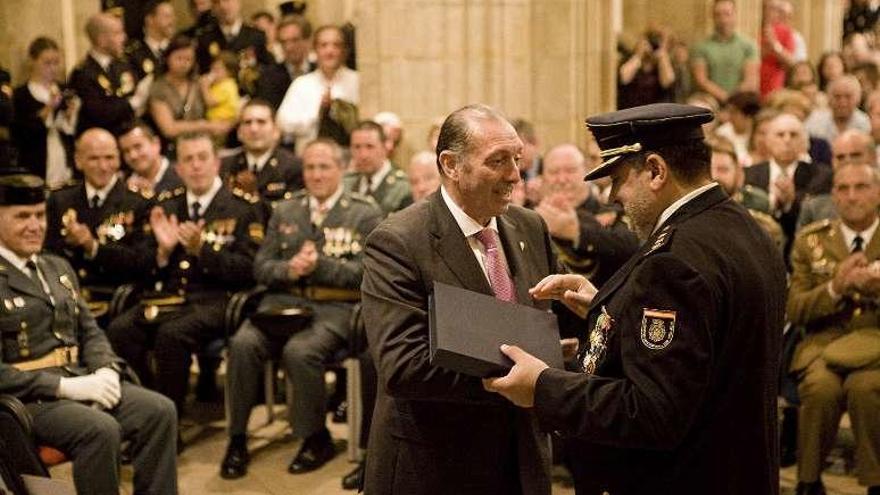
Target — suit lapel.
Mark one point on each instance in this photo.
(514, 250)
(453, 248)
(872, 250)
(21, 282)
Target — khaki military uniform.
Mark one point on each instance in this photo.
(826, 390)
(329, 291)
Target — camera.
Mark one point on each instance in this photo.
(655, 39)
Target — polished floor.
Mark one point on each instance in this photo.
(272, 448)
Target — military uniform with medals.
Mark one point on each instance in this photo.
(837, 361)
(120, 225)
(330, 292)
(681, 343)
(104, 94)
(392, 194)
(604, 244)
(250, 43)
(280, 177)
(143, 60)
(187, 310)
(47, 333)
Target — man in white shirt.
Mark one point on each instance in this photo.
(309, 98)
(844, 97)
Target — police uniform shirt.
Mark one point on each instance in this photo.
(101, 194)
(256, 163)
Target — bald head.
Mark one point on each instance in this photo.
(853, 147)
(564, 168)
(786, 138)
(106, 33)
(97, 157)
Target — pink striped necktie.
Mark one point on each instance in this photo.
(502, 284)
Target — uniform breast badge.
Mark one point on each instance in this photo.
(598, 342)
(658, 328)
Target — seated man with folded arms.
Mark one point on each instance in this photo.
(311, 258)
(58, 362)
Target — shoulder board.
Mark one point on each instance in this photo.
(400, 174)
(760, 215)
(815, 226)
(352, 173)
(170, 194)
(362, 198)
(661, 240)
(65, 185)
(240, 194)
(300, 193)
(144, 193)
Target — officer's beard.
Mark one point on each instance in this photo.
(641, 216)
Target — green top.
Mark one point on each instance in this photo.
(725, 59)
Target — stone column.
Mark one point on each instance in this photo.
(821, 24)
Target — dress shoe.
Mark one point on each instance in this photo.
(812, 488)
(235, 462)
(354, 479)
(314, 453)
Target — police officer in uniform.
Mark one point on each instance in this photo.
(681, 343)
(373, 174)
(204, 241)
(58, 362)
(311, 258)
(592, 238)
(145, 54)
(99, 225)
(835, 284)
(261, 168)
(151, 172)
(103, 80)
(230, 33)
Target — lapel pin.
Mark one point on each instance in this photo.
(18, 302)
(522, 245)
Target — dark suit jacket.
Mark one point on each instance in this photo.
(682, 398)
(104, 94)
(29, 133)
(809, 179)
(435, 431)
(248, 39)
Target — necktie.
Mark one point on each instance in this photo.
(96, 201)
(319, 214)
(502, 284)
(365, 185)
(196, 211)
(32, 273)
(857, 244)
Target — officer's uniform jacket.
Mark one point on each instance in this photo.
(339, 240)
(604, 244)
(104, 94)
(393, 194)
(250, 42)
(224, 265)
(279, 178)
(32, 324)
(816, 254)
(144, 62)
(120, 225)
(672, 343)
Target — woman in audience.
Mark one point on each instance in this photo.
(802, 77)
(830, 67)
(176, 102)
(759, 151)
(741, 110)
(44, 116)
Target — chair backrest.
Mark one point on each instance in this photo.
(18, 451)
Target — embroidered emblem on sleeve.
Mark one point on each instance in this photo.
(658, 328)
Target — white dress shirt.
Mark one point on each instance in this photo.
(470, 227)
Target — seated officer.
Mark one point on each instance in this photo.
(99, 225)
(58, 362)
(835, 284)
(311, 258)
(262, 168)
(373, 175)
(151, 172)
(592, 238)
(204, 240)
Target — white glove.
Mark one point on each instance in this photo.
(101, 387)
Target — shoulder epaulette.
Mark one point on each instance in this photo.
(362, 198)
(245, 196)
(661, 240)
(65, 185)
(144, 193)
(171, 193)
(815, 226)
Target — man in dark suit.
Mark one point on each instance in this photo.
(294, 33)
(435, 430)
(677, 393)
(311, 258)
(230, 33)
(204, 241)
(787, 179)
(151, 172)
(261, 168)
(103, 80)
(58, 362)
(99, 225)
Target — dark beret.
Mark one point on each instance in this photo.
(21, 189)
